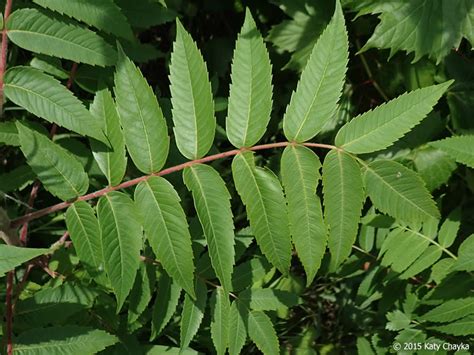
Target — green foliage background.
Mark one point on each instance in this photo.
(231, 256)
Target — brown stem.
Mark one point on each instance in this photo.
(4, 50)
(62, 205)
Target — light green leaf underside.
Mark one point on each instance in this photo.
(212, 204)
(403, 249)
(425, 27)
(104, 14)
(460, 148)
(450, 310)
(399, 192)
(9, 133)
(191, 97)
(250, 97)
(35, 31)
(165, 305)
(237, 328)
(220, 329)
(315, 100)
(144, 127)
(68, 339)
(262, 195)
(300, 175)
(112, 161)
(59, 171)
(343, 199)
(262, 333)
(192, 314)
(466, 251)
(84, 230)
(11, 256)
(121, 242)
(167, 230)
(45, 97)
(464, 326)
(381, 127)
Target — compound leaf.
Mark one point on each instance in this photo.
(220, 329)
(193, 312)
(262, 332)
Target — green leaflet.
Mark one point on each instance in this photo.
(142, 291)
(220, 329)
(399, 192)
(410, 26)
(300, 174)
(66, 339)
(250, 97)
(381, 127)
(191, 97)
(145, 13)
(11, 256)
(112, 161)
(45, 97)
(54, 305)
(262, 195)
(144, 126)
(165, 304)
(434, 166)
(35, 31)
(59, 171)
(466, 250)
(212, 204)
(464, 326)
(9, 133)
(16, 179)
(268, 299)
(403, 249)
(315, 100)
(193, 312)
(237, 328)
(364, 347)
(262, 333)
(449, 229)
(428, 258)
(461, 148)
(249, 272)
(166, 228)
(121, 242)
(450, 310)
(104, 14)
(84, 230)
(343, 199)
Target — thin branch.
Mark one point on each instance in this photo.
(4, 50)
(62, 205)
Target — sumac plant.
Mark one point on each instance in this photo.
(231, 213)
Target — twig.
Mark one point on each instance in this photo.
(62, 205)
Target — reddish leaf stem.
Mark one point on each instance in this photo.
(4, 50)
(62, 205)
